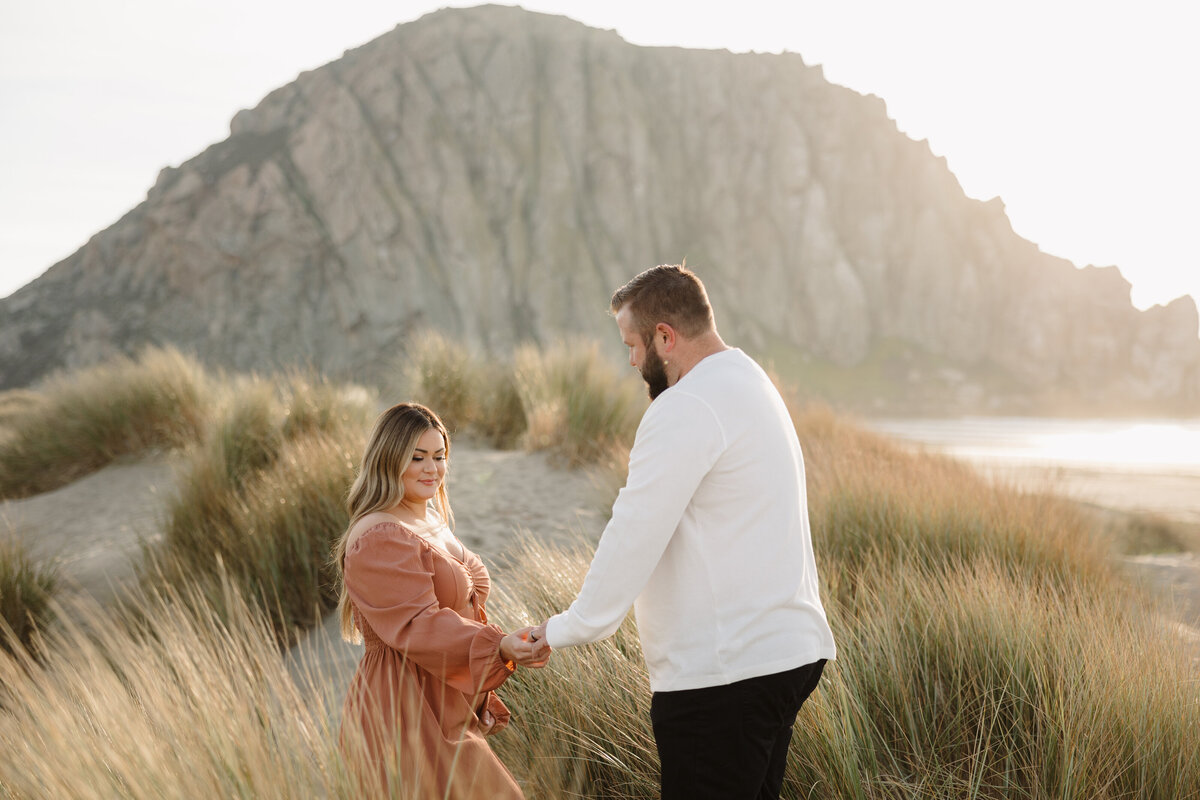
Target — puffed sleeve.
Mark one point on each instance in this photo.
(390, 580)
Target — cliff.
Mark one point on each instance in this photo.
(496, 173)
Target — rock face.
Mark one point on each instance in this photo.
(496, 173)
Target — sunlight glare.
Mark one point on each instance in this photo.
(1171, 447)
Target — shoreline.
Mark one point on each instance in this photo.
(1171, 495)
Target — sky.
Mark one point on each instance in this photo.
(1082, 116)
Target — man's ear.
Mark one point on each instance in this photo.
(665, 336)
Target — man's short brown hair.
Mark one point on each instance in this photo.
(669, 293)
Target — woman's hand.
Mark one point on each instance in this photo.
(518, 647)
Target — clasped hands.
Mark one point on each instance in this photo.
(526, 647)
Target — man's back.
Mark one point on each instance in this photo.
(735, 594)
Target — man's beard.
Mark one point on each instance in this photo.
(654, 373)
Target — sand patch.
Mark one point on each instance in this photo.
(1175, 495)
(495, 493)
(93, 527)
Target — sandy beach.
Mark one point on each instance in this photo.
(1174, 496)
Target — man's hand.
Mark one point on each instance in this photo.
(523, 648)
(538, 634)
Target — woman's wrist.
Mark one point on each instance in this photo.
(507, 656)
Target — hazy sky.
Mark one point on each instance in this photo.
(1082, 115)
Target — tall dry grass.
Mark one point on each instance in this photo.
(186, 699)
(442, 374)
(579, 405)
(261, 497)
(78, 422)
(267, 463)
(473, 394)
(871, 500)
(14, 405)
(971, 684)
(186, 703)
(27, 589)
(75, 424)
(1148, 532)
(567, 399)
(583, 723)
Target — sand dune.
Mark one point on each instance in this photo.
(94, 527)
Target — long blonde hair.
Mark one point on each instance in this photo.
(378, 485)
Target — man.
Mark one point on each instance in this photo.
(710, 540)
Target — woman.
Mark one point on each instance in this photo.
(423, 696)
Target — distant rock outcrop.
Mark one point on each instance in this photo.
(495, 173)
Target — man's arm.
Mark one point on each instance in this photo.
(676, 445)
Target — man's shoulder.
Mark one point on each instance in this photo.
(724, 374)
(688, 410)
(671, 403)
(719, 366)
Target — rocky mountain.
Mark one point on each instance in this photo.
(496, 173)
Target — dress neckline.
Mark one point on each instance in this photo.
(399, 523)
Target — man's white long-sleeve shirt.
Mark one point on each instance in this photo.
(709, 539)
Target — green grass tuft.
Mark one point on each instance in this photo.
(27, 590)
(568, 400)
(975, 682)
(261, 498)
(79, 422)
(442, 374)
(578, 404)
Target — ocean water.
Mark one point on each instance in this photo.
(1147, 446)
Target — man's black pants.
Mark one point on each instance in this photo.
(729, 742)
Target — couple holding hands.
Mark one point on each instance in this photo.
(709, 540)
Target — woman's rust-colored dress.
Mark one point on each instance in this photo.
(422, 698)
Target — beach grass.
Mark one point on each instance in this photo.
(27, 589)
(972, 683)
(1149, 533)
(444, 375)
(583, 723)
(15, 404)
(988, 646)
(473, 394)
(261, 497)
(180, 703)
(977, 683)
(579, 405)
(80, 421)
(566, 399)
(870, 499)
